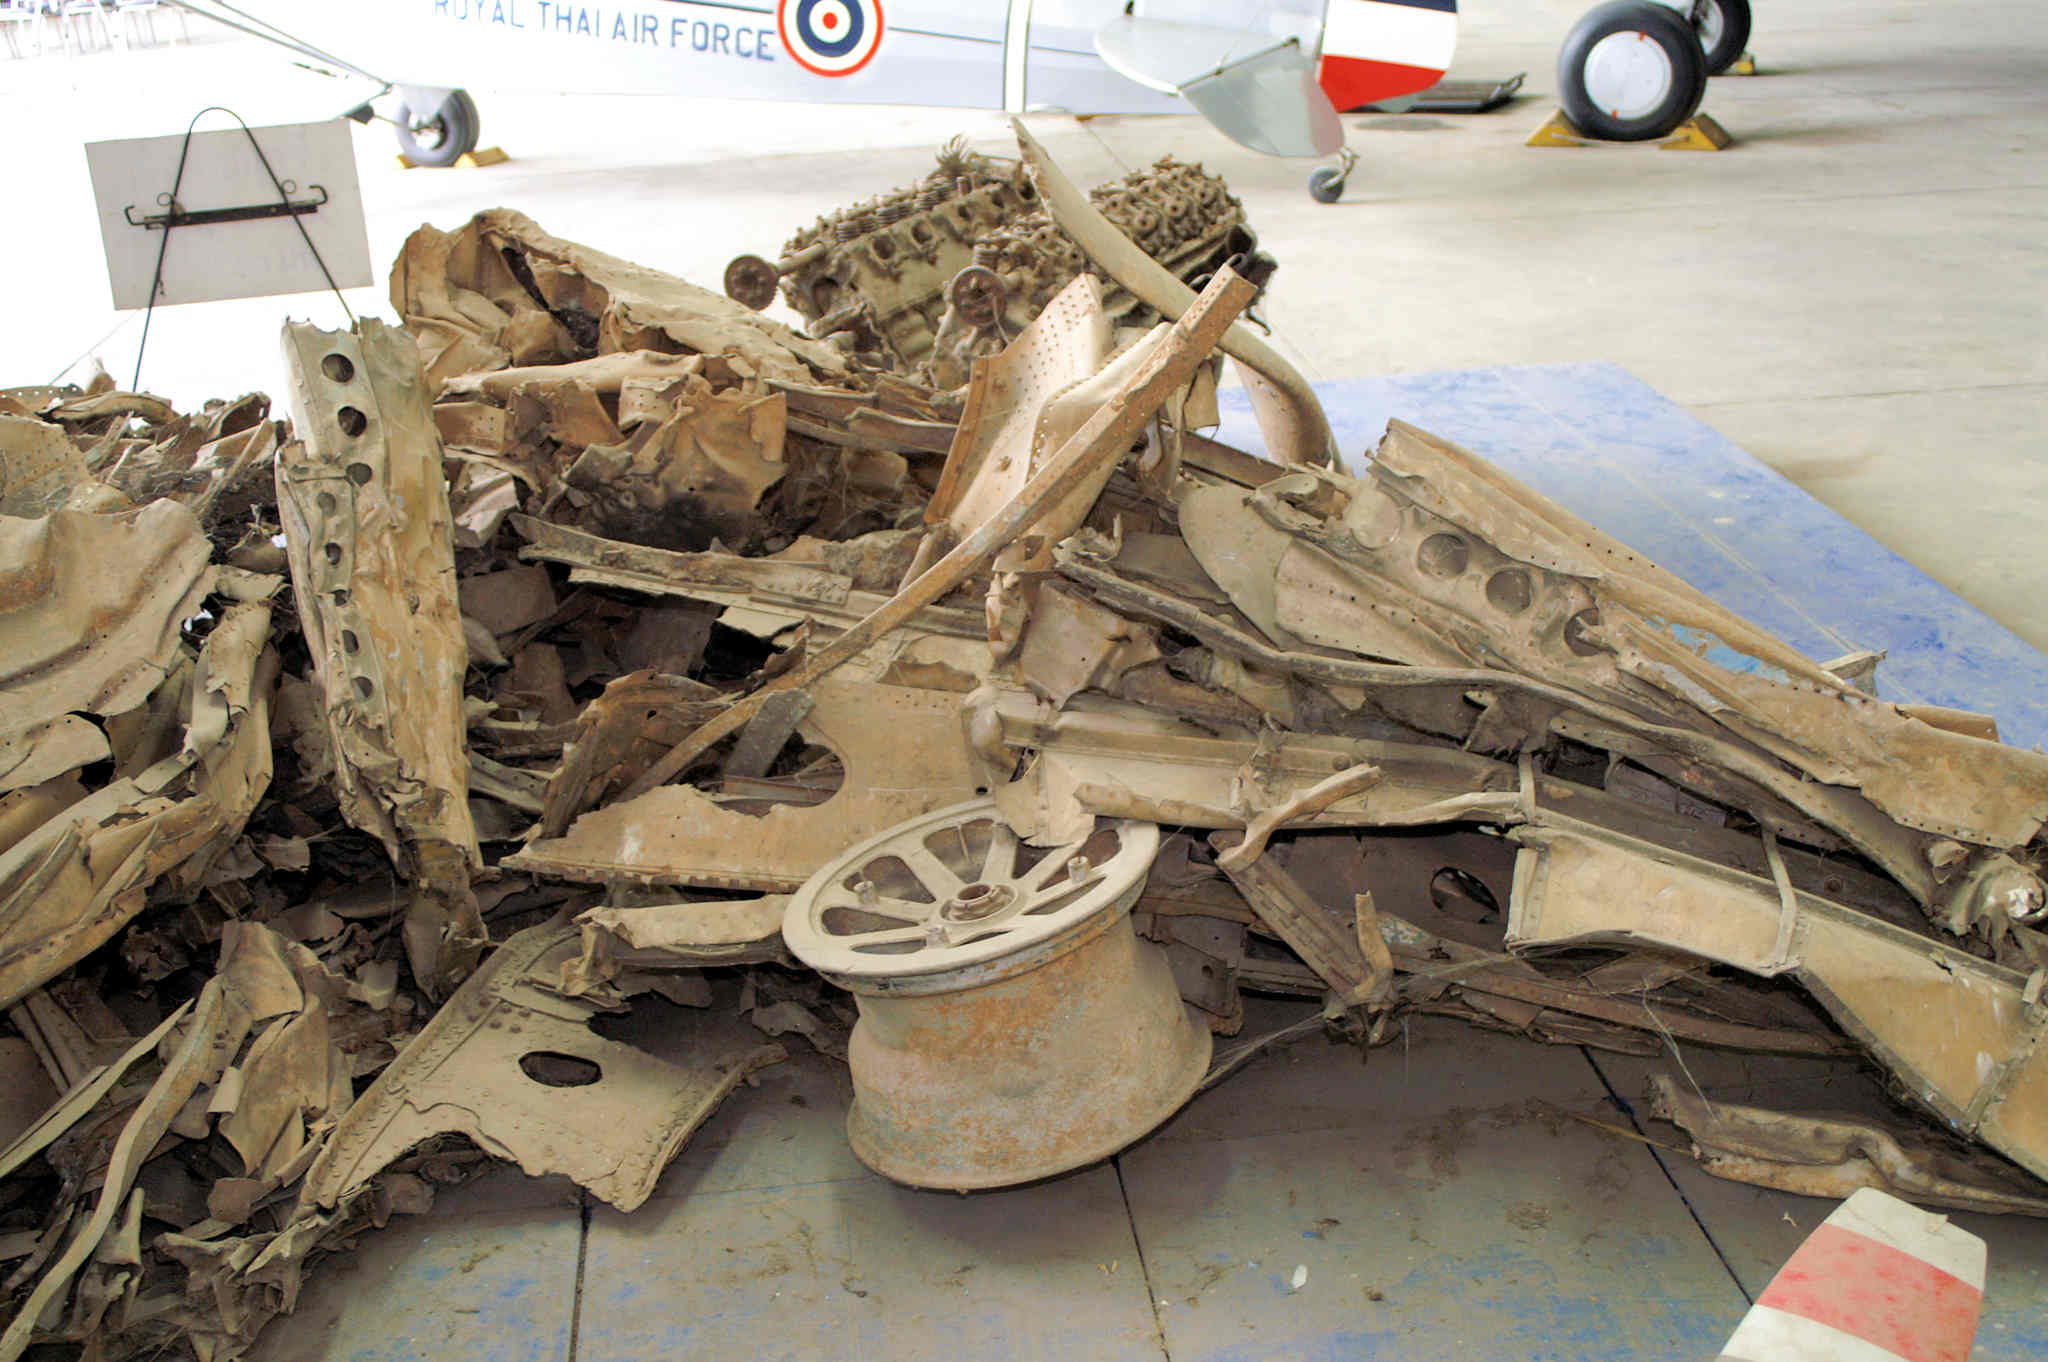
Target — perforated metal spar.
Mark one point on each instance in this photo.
(957, 888)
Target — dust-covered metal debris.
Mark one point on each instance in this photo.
(594, 637)
(929, 278)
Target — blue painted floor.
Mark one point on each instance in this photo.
(1438, 1202)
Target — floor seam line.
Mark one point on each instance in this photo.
(794, 1185)
(1555, 215)
(582, 1259)
(1116, 1164)
(1945, 390)
(1088, 126)
(1627, 1109)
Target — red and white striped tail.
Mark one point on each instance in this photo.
(1879, 1281)
(1383, 49)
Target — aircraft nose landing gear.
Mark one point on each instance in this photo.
(1326, 185)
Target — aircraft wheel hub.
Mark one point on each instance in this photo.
(1012, 1026)
(1627, 74)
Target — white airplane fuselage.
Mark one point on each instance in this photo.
(978, 54)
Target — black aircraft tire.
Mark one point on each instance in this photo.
(1659, 95)
(1733, 38)
(451, 131)
(1326, 185)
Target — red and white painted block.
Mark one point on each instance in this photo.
(1879, 1281)
(1383, 49)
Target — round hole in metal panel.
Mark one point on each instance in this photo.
(351, 421)
(1509, 591)
(1578, 632)
(1462, 895)
(553, 1069)
(1444, 555)
(338, 367)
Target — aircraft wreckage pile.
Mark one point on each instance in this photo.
(622, 641)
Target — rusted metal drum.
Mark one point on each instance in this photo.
(1012, 1026)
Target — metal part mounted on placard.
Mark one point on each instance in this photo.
(179, 217)
(251, 265)
(238, 212)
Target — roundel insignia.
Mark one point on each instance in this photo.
(830, 37)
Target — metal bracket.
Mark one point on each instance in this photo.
(181, 217)
(1782, 957)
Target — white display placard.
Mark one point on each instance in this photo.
(259, 258)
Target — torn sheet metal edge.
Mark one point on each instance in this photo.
(1004, 436)
(371, 543)
(369, 535)
(1113, 758)
(796, 590)
(1955, 1029)
(217, 1024)
(1171, 362)
(1658, 641)
(1289, 413)
(99, 601)
(84, 1096)
(464, 1074)
(901, 752)
(1338, 956)
(94, 862)
(1897, 849)
(1116, 759)
(672, 936)
(1831, 1155)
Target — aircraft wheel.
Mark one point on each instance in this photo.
(1723, 26)
(443, 136)
(1326, 185)
(1631, 70)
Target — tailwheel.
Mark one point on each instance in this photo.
(1326, 185)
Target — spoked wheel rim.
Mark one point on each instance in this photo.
(957, 889)
(1628, 74)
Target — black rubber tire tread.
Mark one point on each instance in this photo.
(1669, 30)
(460, 125)
(1326, 185)
(1734, 35)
